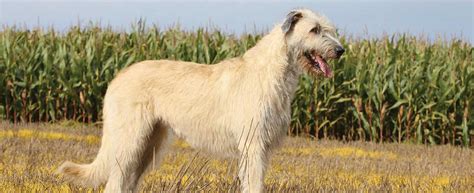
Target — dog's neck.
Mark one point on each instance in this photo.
(269, 51)
(274, 62)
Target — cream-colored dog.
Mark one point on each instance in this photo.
(239, 106)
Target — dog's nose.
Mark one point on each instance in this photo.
(339, 51)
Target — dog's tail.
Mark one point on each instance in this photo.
(91, 175)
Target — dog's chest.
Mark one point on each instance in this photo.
(277, 110)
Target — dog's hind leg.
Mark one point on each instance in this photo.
(132, 143)
(153, 154)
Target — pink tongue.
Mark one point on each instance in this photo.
(324, 67)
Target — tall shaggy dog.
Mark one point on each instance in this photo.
(240, 106)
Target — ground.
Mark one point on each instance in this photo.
(30, 153)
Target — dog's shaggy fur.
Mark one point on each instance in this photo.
(239, 107)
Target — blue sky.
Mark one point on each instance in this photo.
(359, 18)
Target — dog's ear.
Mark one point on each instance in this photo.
(290, 21)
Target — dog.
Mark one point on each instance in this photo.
(240, 106)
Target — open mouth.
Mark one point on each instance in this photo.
(318, 63)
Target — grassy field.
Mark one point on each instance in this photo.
(396, 88)
(30, 153)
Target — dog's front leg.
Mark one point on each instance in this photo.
(252, 168)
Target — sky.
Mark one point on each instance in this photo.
(359, 18)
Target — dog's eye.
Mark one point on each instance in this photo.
(316, 29)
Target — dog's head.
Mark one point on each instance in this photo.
(311, 41)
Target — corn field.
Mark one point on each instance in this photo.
(398, 88)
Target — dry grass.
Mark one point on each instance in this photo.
(30, 153)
